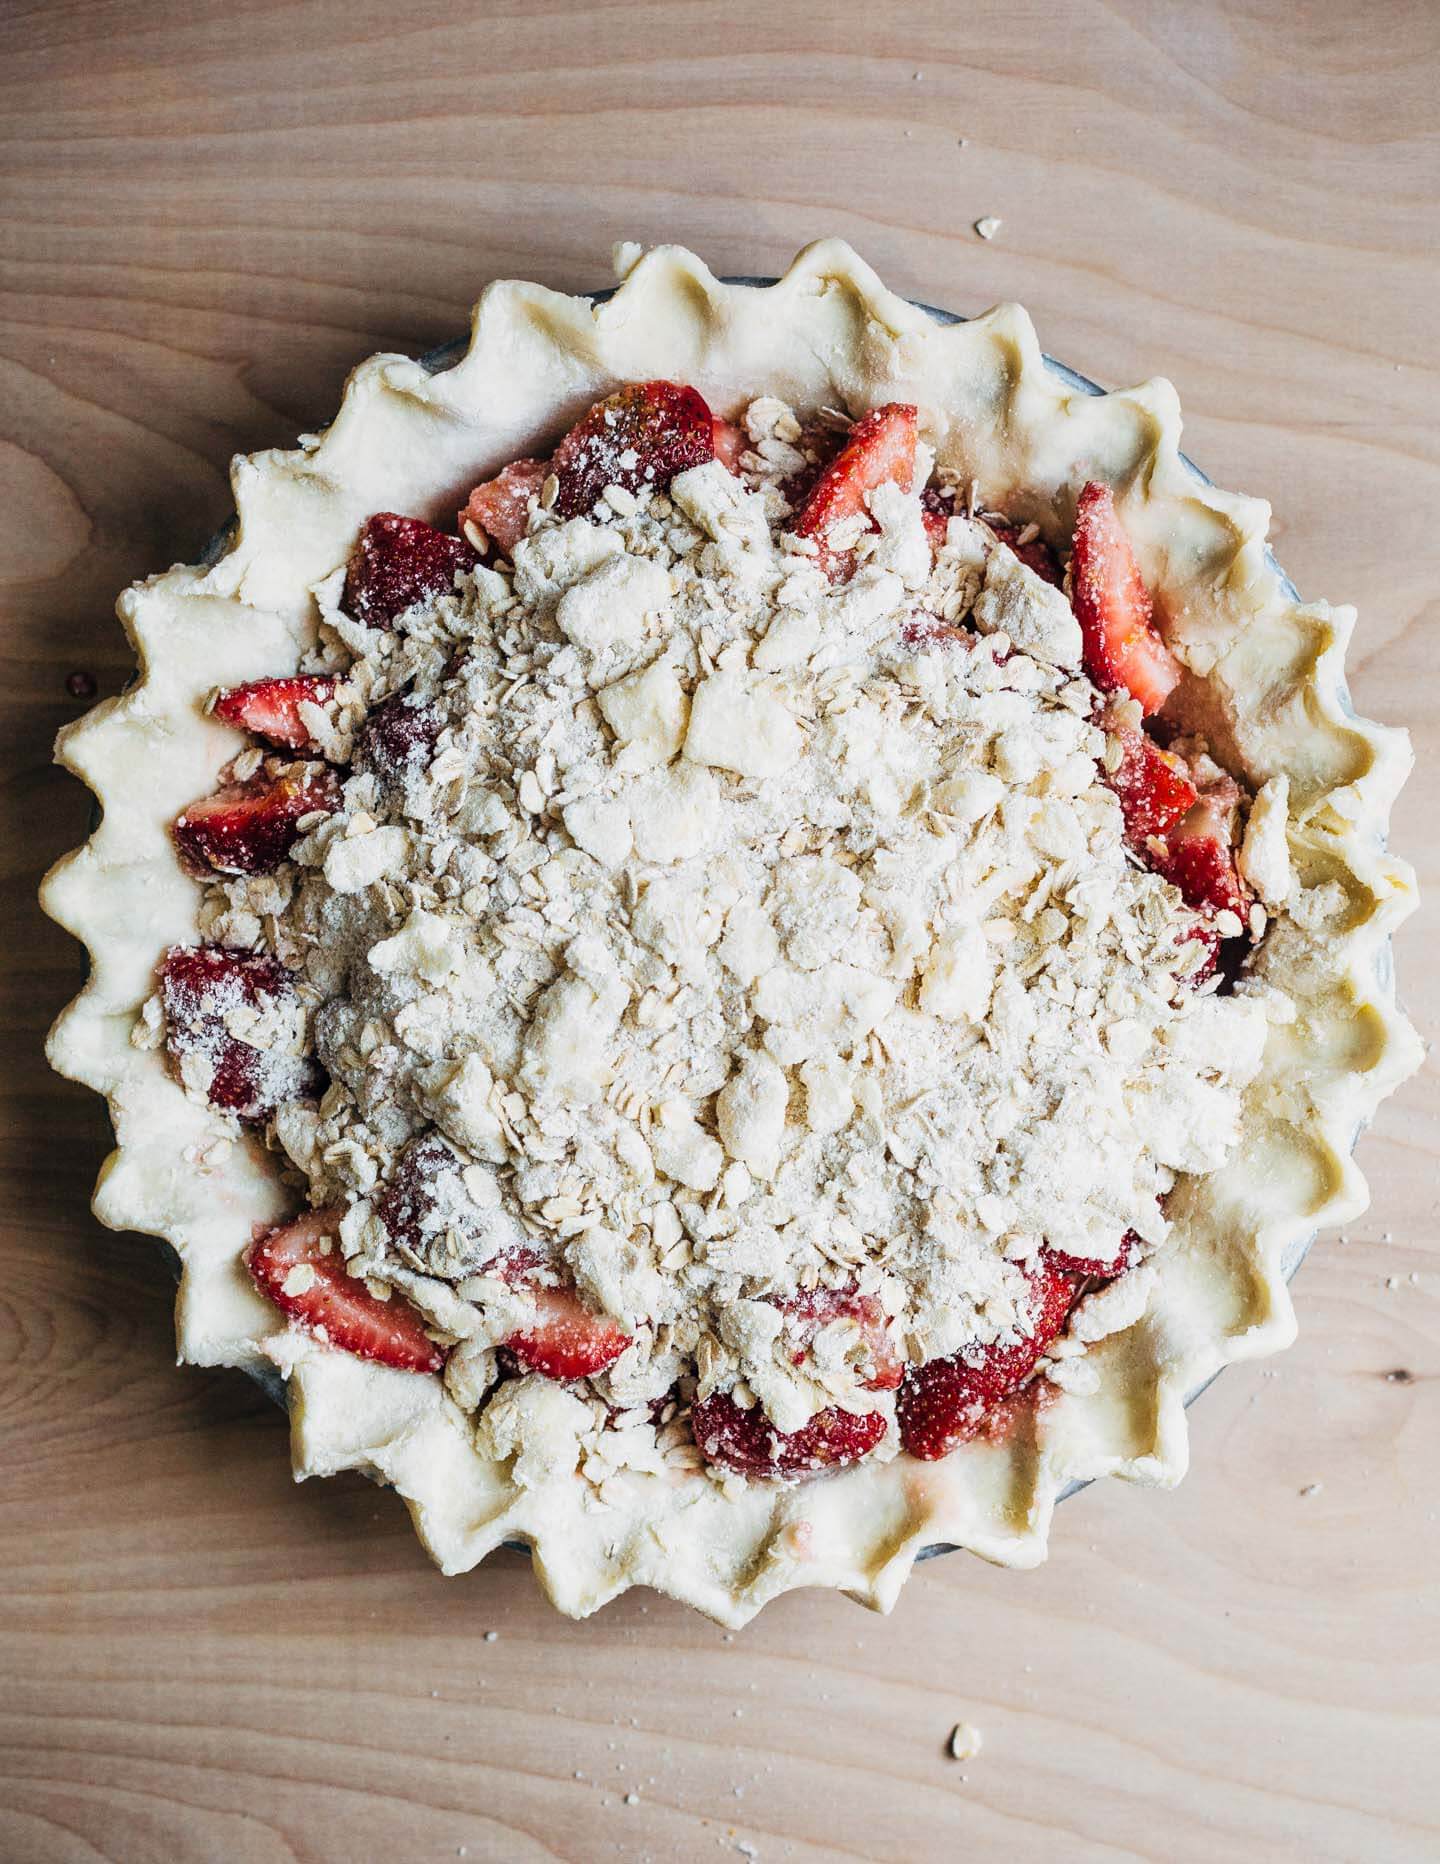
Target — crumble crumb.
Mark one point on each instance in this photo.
(966, 1741)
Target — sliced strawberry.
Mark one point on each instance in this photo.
(1106, 1269)
(1179, 831)
(501, 506)
(271, 708)
(729, 442)
(1201, 863)
(880, 449)
(937, 508)
(206, 990)
(310, 1283)
(1123, 650)
(948, 1401)
(397, 739)
(566, 1340)
(819, 442)
(815, 1308)
(638, 438)
(398, 562)
(749, 1444)
(1155, 787)
(250, 827)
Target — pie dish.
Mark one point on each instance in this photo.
(774, 994)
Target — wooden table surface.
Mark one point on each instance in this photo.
(208, 213)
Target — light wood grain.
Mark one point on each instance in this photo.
(208, 212)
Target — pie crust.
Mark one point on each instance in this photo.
(1265, 683)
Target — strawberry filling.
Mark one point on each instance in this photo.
(879, 450)
(637, 438)
(950, 1401)
(207, 992)
(1123, 648)
(663, 426)
(1182, 834)
(1105, 1268)
(250, 827)
(397, 739)
(1201, 863)
(427, 1210)
(816, 1308)
(270, 709)
(397, 563)
(566, 1339)
(926, 630)
(937, 508)
(729, 442)
(819, 442)
(432, 1218)
(300, 1267)
(747, 1443)
(1155, 788)
(498, 512)
(1033, 552)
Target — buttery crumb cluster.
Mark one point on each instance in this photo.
(711, 935)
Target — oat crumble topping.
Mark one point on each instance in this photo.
(719, 933)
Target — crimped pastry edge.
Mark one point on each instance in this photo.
(1269, 686)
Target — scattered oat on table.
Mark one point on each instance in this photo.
(966, 1741)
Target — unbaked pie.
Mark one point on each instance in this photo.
(738, 933)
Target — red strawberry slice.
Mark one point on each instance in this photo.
(1107, 1268)
(203, 985)
(819, 442)
(1123, 650)
(501, 506)
(948, 1401)
(271, 708)
(310, 1283)
(638, 438)
(815, 1308)
(397, 563)
(1162, 805)
(1155, 787)
(397, 739)
(880, 449)
(729, 442)
(1201, 863)
(566, 1340)
(749, 1444)
(250, 827)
